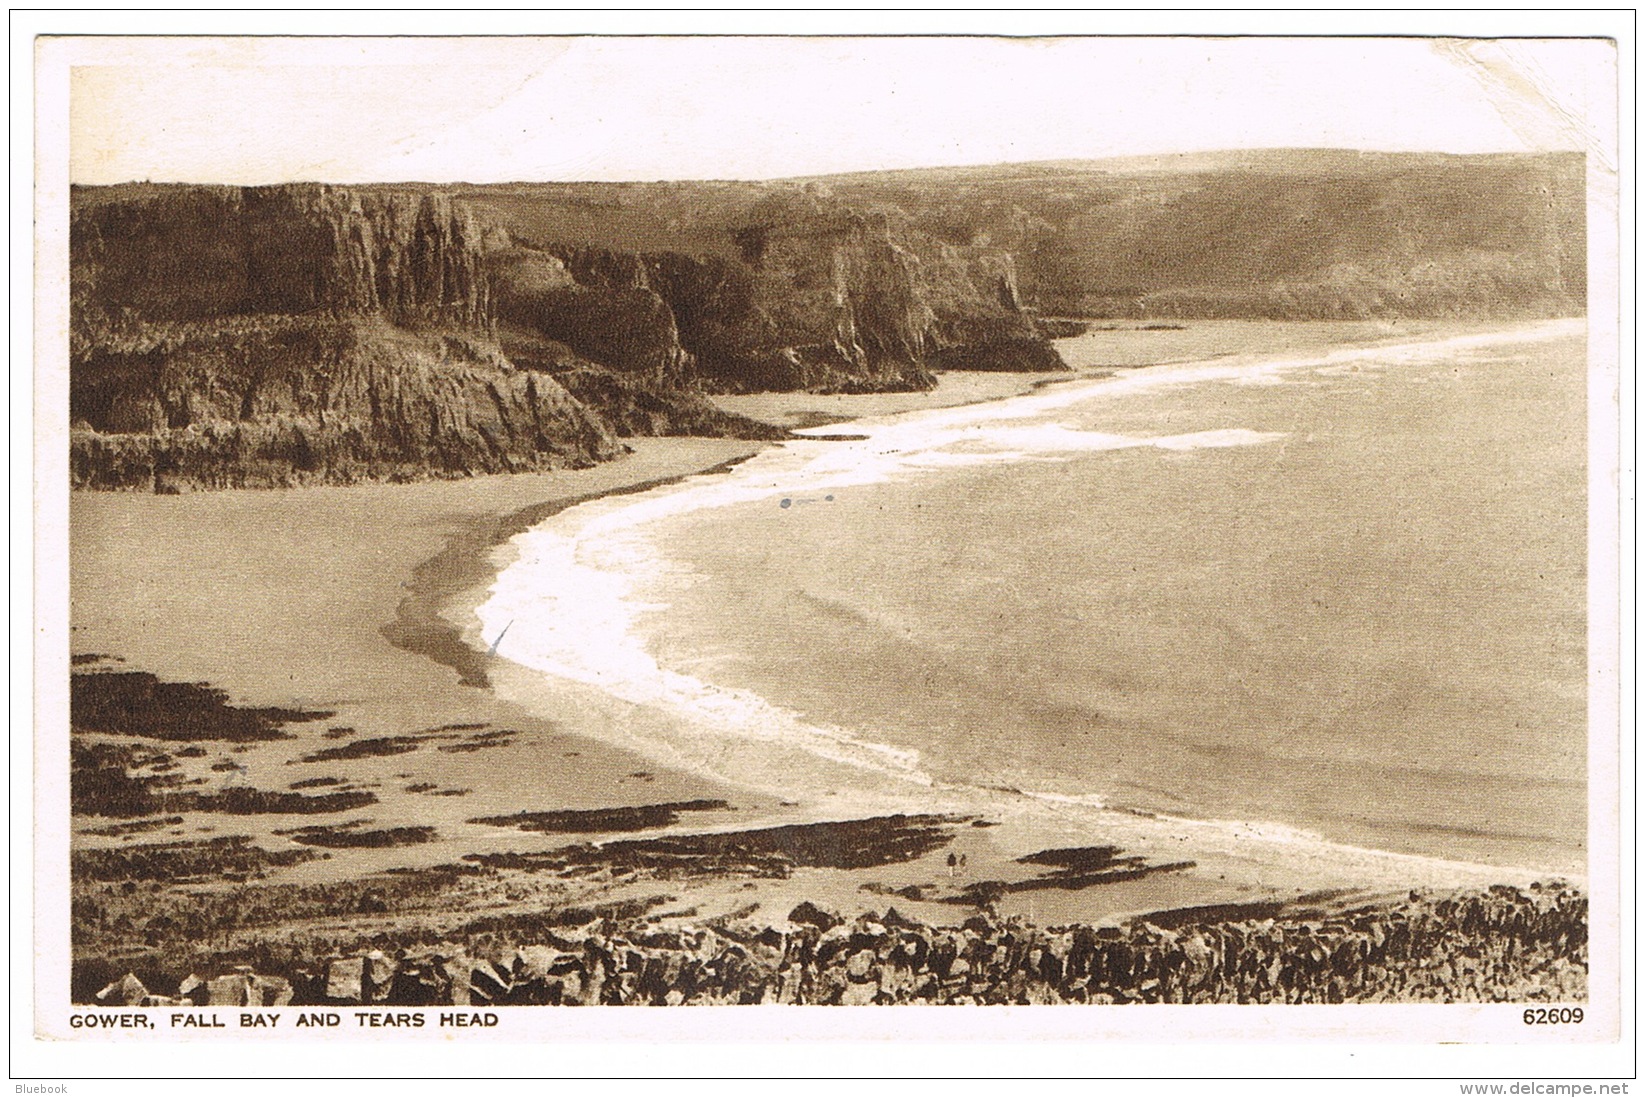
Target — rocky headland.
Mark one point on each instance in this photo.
(273, 336)
(264, 336)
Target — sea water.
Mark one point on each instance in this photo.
(1342, 589)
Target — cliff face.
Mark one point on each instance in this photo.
(195, 252)
(268, 336)
(806, 292)
(273, 401)
(229, 336)
(606, 312)
(833, 300)
(979, 319)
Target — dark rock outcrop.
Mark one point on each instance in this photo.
(756, 852)
(319, 402)
(136, 703)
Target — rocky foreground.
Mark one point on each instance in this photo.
(1501, 945)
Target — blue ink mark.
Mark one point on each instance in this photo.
(500, 637)
(830, 499)
(786, 503)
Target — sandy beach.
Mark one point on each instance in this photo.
(283, 598)
(349, 606)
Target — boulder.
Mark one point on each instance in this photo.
(534, 962)
(345, 980)
(232, 990)
(860, 964)
(812, 915)
(860, 994)
(270, 991)
(128, 990)
(488, 982)
(458, 973)
(593, 986)
(573, 939)
(896, 919)
(378, 972)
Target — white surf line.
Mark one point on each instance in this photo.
(598, 552)
(581, 627)
(1226, 368)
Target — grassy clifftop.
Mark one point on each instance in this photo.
(1291, 233)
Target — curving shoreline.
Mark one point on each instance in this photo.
(440, 585)
(417, 672)
(1291, 859)
(1353, 855)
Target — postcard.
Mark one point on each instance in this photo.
(1072, 538)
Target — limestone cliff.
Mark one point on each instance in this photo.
(281, 400)
(801, 291)
(180, 253)
(283, 335)
(980, 321)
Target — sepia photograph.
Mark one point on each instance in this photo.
(1090, 524)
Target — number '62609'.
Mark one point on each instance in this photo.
(1553, 1016)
